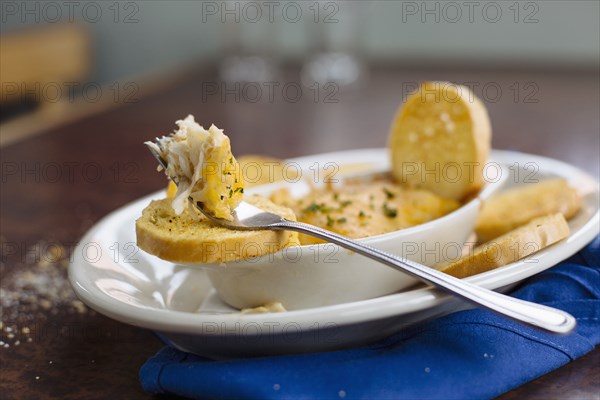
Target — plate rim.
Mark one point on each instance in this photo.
(396, 304)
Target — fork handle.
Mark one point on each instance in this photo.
(550, 319)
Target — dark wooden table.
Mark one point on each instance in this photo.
(83, 354)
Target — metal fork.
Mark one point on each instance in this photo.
(249, 217)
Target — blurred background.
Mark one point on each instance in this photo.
(319, 62)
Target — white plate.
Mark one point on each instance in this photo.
(110, 275)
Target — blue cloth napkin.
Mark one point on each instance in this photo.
(464, 355)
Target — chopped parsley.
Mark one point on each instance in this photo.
(361, 214)
(313, 207)
(346, 203)
(342, 220)
(389, 194)
(389, 212)
(330, 221)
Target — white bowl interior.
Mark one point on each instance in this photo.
(325, 274)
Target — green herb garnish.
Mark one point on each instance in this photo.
(313, 207)
(389, 212)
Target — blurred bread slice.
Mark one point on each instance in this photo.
(440, 140)
(517, 206)
(192, 238)
(510, 247)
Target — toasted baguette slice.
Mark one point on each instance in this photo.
(520, 205)
(510, 247)
(192, 238)
(440, 140)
